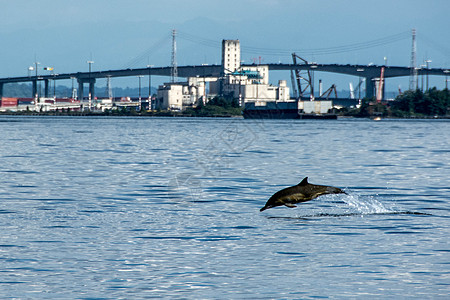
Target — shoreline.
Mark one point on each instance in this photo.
(103, 114)
(183, 115)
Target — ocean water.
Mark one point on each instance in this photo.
(134, 208)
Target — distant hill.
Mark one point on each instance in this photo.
(24, 90)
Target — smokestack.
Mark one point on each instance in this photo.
(320, 87)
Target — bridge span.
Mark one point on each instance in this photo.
(369, 72)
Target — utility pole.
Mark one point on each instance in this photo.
(174, 72)
(413, 74)
(37, 89)
(54, 85)
(140, 99)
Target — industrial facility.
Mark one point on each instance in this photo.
(248, 84)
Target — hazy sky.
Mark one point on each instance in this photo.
(65, 34)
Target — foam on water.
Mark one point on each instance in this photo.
(366, 204)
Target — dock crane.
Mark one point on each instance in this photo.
(329, 91)
(380, 86)
(294, 85)
(299, 78)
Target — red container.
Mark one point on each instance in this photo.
(9, 102)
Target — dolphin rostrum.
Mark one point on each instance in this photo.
(301, 192)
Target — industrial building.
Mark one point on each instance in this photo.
(248, 84)
(179, 95)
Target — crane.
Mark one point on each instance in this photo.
(294, 86)
(329, 91)
(380, 86)
(299, 77)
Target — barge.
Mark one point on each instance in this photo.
(306, 110)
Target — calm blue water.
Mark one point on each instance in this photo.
(131, 208)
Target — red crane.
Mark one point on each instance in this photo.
(380, 86)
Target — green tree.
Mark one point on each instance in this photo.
(225, 102)
(432, 102)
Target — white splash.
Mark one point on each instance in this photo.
(366, 204)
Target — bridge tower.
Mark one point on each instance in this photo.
(413, 74)
(174, 71)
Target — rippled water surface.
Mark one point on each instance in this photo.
(110, 208)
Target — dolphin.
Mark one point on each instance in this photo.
(301, 192)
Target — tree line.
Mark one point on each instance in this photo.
(431, 103)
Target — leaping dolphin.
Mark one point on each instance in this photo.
(301, 192)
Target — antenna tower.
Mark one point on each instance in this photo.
(413, 74)
(174, 73)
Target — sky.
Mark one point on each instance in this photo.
(65, 34)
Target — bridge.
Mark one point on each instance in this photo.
(369, 72)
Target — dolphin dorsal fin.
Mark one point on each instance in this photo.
(304, 181)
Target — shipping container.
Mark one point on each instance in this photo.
(63, 100)
(315, 107)
(25, 101)
(9, 102)
(66, 100)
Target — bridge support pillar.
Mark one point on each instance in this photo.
(92, 88)
(46, 81)
(1, 91)
(81, 83)
(34, 89)
(80, 89)
(370, 87)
